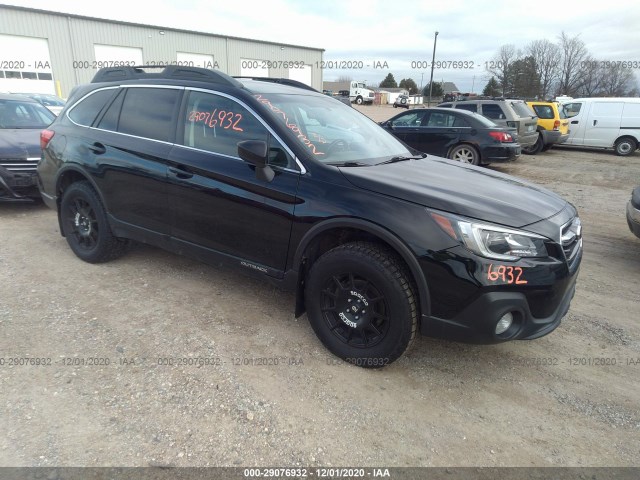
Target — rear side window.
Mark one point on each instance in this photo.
(110, 119)
(149, 113)
(86, 111)
(472, 107)
(439, 119)
(544, 111)
(493, 111)
(522, 109)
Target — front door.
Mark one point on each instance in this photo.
(218, 205)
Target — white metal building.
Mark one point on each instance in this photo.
(51, 52)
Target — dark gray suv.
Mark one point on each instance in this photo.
(505, 113)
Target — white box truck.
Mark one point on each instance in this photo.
(605, 123)
(359, 94)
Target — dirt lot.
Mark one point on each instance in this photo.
(548, 402)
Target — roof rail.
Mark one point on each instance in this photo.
(283, 81)
(114, 74)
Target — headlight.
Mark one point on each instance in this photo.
(492, 241)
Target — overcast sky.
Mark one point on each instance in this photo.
(390, 31)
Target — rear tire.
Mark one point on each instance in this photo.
(536, 147)
(85, 225)
(547, 147)
(625, 146)
(361, 303)
(465, 154)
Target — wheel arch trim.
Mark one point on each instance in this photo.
(383, 234)
(75, 168)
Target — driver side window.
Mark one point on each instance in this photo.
(216, 124)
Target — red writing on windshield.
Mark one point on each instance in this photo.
(290, 125)
(221, 118)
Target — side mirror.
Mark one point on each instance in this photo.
(255, 153)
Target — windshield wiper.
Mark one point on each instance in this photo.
(401, 159)
(348, 164)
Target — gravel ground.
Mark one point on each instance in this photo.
(110, 396)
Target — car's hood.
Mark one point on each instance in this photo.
(453, 187)
(20, 143)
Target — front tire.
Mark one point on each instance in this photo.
(85, 225)
(359, 100)
(465, 154)
(625, 146)
(361, 304)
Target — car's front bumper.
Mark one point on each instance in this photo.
(17, 187)
(466, 305)
(477, 322)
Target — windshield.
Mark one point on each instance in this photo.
(17, 114)
(331, 131)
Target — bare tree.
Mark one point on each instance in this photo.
(499, 66)
(546, 56)
(591, 77)
(616, 80)
(344, 78)
(574, 52)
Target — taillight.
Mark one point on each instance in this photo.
(501, 136)
(45, 138)
(556, 125)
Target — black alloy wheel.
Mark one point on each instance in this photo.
(361, 303)
(85, 225)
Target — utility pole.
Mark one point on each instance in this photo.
(433, 59)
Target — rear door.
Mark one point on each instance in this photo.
(603, 124)
(124, 146)
(440, 131)
(130, 145)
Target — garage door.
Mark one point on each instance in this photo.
(301, 74)
(25, 65)
(113, 55)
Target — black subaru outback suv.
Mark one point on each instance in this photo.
(377, 240)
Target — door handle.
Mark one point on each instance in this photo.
(97, 148)
(574, 122)
(595, 122)
(180, 173)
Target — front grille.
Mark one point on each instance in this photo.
(571, 239)
(20, 165)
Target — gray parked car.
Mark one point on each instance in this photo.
(505, 113)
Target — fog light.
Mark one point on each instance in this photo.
(504, 323)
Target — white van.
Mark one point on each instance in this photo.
(605, 123)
